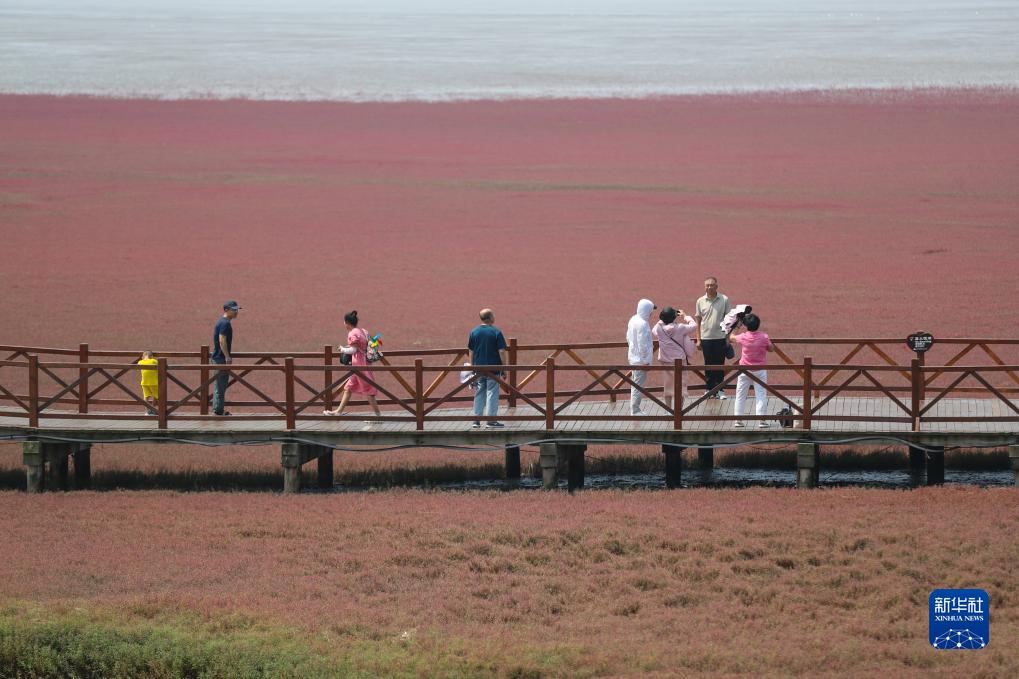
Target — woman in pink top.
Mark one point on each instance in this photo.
(357, 349)
(673, 340)
(755, 345)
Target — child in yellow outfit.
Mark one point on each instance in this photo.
(150, 381)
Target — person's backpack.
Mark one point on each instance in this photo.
(373, 354)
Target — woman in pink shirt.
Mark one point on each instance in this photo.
(755, 347)
(357, 349)
(673, 340)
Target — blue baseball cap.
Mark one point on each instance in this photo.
(231, 306)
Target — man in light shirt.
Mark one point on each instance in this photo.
(710, 338)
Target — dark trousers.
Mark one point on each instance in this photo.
(219, 393)
(714, 354)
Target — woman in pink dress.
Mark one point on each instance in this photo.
(672, 332)
(357, 349)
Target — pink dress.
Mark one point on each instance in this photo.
(358, 339)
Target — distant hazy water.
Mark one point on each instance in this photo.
(454, 49)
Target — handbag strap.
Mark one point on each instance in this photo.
(674, 341)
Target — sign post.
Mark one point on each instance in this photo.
(920, 342)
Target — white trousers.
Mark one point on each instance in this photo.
(636, 395)
(743, 383)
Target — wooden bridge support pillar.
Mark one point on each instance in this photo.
(294, 457)
(35, 464)
(325, 469)
(512, 462)
(673, 465)
(936, 466)
(1013, 458)
(292, 467)
(83, 466)
(807, 455)
(57, 465)
(917, 459)
(548, 457)
(706, 457)
(47, 465)
(574, 454)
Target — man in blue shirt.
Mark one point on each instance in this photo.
(487, 347)
(222, 345)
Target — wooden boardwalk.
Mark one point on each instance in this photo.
(987, 425)
(61, 401)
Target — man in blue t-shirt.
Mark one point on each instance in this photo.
(222, 345)
(487, 347)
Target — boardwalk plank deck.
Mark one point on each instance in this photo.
(976, 410)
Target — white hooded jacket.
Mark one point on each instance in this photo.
(638, 334)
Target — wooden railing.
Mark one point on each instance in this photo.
(41, 383)
(91, 384)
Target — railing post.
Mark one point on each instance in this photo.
(327, 357)
(923, 385)
(203, 391)
(677, 394)
(33, 390)
(419, 393)
(288, 371)
(549, 393)
(83, 378)
(916, 380)
(817, 392)
(612, 393)
(162, 389)
(511, 352)
(808, 378)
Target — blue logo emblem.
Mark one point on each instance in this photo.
(959, 619)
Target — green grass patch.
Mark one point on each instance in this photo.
(148, 641)
(34, 643)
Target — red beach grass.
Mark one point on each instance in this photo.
(756, 581)
(126, 223)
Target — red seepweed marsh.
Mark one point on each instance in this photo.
(127, 223)
(761, 581)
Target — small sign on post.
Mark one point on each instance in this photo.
(920, 341)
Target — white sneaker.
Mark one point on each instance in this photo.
(739, 424)
(722, 396)
(763, 424)
(637, 412)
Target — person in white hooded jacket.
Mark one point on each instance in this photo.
(640, 349)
